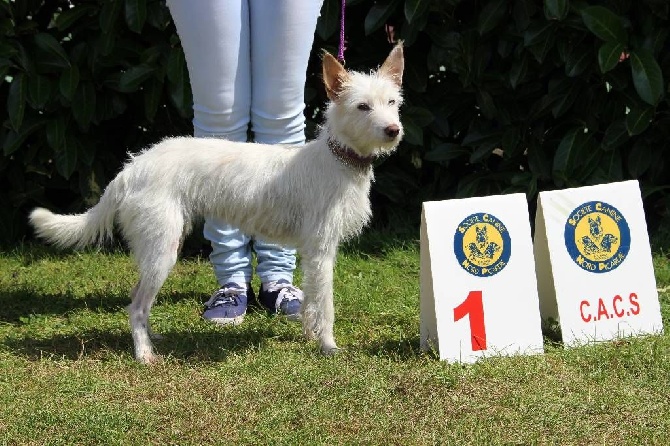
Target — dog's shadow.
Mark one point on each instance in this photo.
(25, 307)
(19, 306)
(185, 345)
(193, 343)
(180, 344)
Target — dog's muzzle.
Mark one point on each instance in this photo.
(392, 131)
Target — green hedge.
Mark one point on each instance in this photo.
(501, 96)
(86, 84)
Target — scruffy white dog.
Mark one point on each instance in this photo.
(311, 197)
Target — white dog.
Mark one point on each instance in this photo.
(311, 197)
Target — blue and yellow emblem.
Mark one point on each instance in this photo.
(482, 244)
(597, 237)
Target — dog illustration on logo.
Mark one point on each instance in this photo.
(483, 248)
(597, 242)
(597, 236)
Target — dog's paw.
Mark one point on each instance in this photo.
(330, 351)
(328, 346)
(149, 358)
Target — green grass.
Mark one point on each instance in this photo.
(67, 375)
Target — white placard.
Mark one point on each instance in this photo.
(478, 288)
(594, 264)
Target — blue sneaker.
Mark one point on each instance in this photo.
(281, 297)
(228, 304)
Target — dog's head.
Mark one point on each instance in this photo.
(363, 112)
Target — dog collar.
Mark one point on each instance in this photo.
(348, 157)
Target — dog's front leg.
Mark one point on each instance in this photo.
(318, 309)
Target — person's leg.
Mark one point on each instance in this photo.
(231, 252)
(282, 34)
(215, 38)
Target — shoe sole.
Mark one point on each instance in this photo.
(292, 317)
(226, 321)
(289, 317)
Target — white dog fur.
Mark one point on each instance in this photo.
(311, 197)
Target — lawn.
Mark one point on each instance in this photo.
(67, 375)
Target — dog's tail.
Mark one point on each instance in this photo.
(93, 226)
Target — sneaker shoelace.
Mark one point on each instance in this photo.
(287, 293)
(225, 296)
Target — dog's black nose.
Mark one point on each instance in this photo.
(392, 130)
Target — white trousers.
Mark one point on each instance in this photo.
(247, 63)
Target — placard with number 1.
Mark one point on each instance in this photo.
(478, 287)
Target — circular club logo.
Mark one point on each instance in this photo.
(482, 245)
(597, 237)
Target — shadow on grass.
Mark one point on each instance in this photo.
(377, 243)
(210, 346)
(184, 345)
(200, 343)
(72, 347)
(18, 305)
(25, 303)
(402, 349)
(32, 252)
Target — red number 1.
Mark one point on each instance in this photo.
(473, 306)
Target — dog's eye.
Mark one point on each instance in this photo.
(363, 107)
(391, 101)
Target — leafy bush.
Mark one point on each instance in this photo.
(85, 82)
(522, 96)
(501, 96)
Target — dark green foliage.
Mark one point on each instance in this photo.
(83, 85)
(523, 96)
(501, 96)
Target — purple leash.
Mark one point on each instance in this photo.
(340, 52)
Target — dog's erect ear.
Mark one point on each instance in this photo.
(394, 64)
(334, 76)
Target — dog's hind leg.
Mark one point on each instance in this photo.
(138, 317)
(155, 259)
(318, 308)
